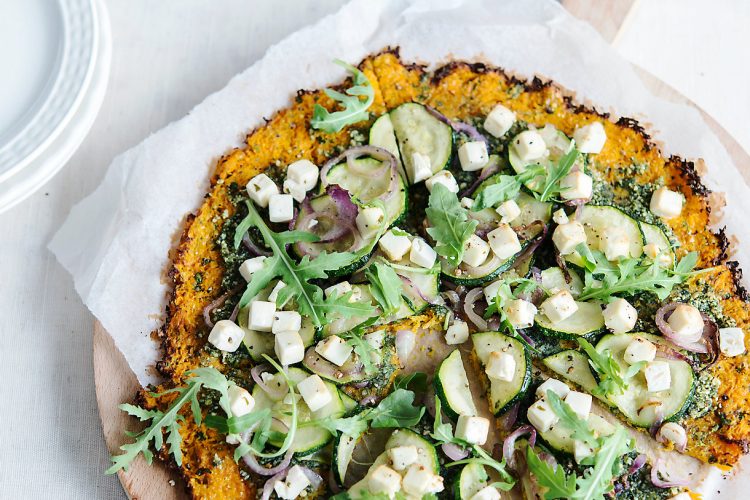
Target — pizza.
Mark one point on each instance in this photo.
(448, 284)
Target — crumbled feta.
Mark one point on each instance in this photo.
(375, 339)
(384, 480)
(560, 217)
(403, 456)
(457, 333)
(369, 220)
(472, 429)
(486, 493)
(260, 188)
(419, 481)
(541, 416)
(491, 290)
(286, 321)
(280, 207)
(394, 246)
(658, 376)
(260, 315)
(559, 306)
(504, 241)
(529, 145)
(289, 348)
(295, 189)
(581, 451)
(500, 366)
(445, 178)
(421, 167)
(568, 236)
(520, 312)
(240, 401)
(499, 121)
(639, 349)
(334, 349)
(590, 138)
(476, 251)
(422, 254)
(732, 341)
(467, 203)
(686, 322)
(339, 288)
(293, 485)
(226, 336)
(666, 203)
(473, 156)
(251, 266)
(304, 173)
(580, 403)
(554, 385)
(508, 211)
(620, 316)
(315, 392)
(274, 295)
(576, 185)
(615, 244)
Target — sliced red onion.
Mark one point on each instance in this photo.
(464, 128)
(368, 400)
(275, 394)
(235, 312)
(524, 335)
(254, 466)
(343, 221)
(658, 419)
(563, 265)
(352, 154)
(453, 298)
(639, 462)
(216, 303)
(680, 445)
(332, 483)
(405, 342)
(662, 322)
(471, 298)
(661, 483)
(508, 420)
(320, 365)
(708, 343)
(268, 487)
(312, 476)
(509, 445)
(489, 170)
(410, 284)
(454, 452)
(254, 249)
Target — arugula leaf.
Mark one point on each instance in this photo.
(396, 410)
(385, 287)
(597, 481)
(554, 479)
(505, 187)
(363, 349)
(355, 109)
(555, 173)
(351, 426)
(580, 427)
(450, 224)
(611, 379)
(415, 380)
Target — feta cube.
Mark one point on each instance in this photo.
(250, 266)
(280, 207)
(500, 366)
(639, 349)
(375, 339)
(472, 429)
(581, 451)
(499, 121)
(554, 385)
(731, 341)
(384, 480)
(467, 203)
(491, 291)
(457, 333)
(260, 316)
(672, 432)
(666, 203)
(304, 173)
(520, 312)
(620, 316)
(658, 376)
(473, 156)
(476, 251)
(686, 322)
(289, 348)
(445, 178)
(560, 306)
(590, 138)
(508, 211)
(334, 349)
(293, 485)
(274, 295)
(315, 392)
(226, 336)
(240, 401)
(580, 403)
(542, 416)
(568, 236)
(340, 289)
(260, 189)
(422, 253)
(419, 481)
(576, 186)
(394, 246)
(296, 190)
(369, 220)
(421, 168)
(286, 321)
(529, 145)
(560, 217)
(554, 280)
(486, 493)
(504, 241)
(403, 456)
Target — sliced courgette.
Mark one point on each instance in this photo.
(473, 477)
(502, 395)
(343, 451)
(655, 235)
(587, 321)
(573, 366)
(452, 387)
(596, 219)
(553, 280)
(560, 436)
(344, 324)
(383, 136)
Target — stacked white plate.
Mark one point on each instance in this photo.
(55, 57)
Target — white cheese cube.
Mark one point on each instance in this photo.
(560, 306)
(590, 138)
(421, 168)
(476, 251)
(260, 316)
(289, 348)
(560, 217)
(504, 241)
(419, 481)
(286, 321)
(620, 316)
(568, 236)
(457, 333)
(375, 339)
(520, 313)
(486, 493)
(500, 366)
(732, 341)
(639, 349)
(295, 483)
(274, 295)
(651, 250)
(260, 189)
(334, 349)
(581, 451)
(554, 385)
(473, 156)
(315, 392)
(304, 173)
(576, 186)
(339, 288)
(403, 456)
(251, 266)
(686, 322)
(226, 336)
(499, 121)
(491, 290)
(508, 211)
(280, 207)
(542, 416)
(467, 203)
(580, 403)
(394, 246)
(615, 244)
(529, 145)
(384, 480)
(295, 189)
(445, 178)
(658, 376)
(422, 253)
(666, 203)
(369, 220)
(240, 401)
(672, 432)
(472, 429)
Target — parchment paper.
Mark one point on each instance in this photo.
(115, 242)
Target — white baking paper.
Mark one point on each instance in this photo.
(115, 242)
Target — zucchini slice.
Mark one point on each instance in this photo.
(345, 324)
(560, 436)
(417, 131)
(343, 451)
(596, 219)
(553, 279)
(557, 145)
(587, 321)
(383, 136)
(473, 478)
(502, 395)
(656, 235)
(573, 366)
(452, 387)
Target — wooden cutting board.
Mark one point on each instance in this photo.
(116, 383)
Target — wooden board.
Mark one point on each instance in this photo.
(116, 383)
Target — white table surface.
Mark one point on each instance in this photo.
(168, 55)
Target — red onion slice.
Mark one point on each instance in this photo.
(268, 487)
(508, 420)
(254, 466)
(368, 400)
(509, 445)
(475, 318)
(454, 452)
(461, 127)
(254, 249)
(275, 393)
(708, 343)
(312, 476)
(218, 302)
(352, 154)
(637, 464)
(662, 483)
(488, 171)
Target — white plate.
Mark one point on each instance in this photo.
(56, 57)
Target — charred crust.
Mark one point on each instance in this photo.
(691, 175)
(722, 240)
(478, 68)
(736, 271)
(578, 108)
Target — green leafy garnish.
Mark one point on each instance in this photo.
(355, 109)
(580, 428)
(385, 287)
(450, 225)
(611, 379)
(364, 350)
(504, 188)
(555, 174)
(553, 478)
